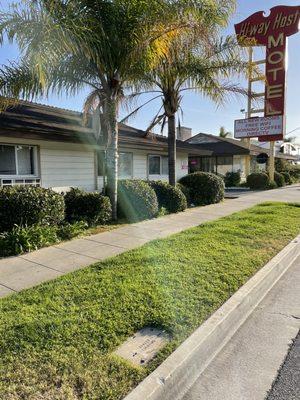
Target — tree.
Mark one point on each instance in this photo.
(66, 45)
(203, 65)
(223, 133)
(290, 139)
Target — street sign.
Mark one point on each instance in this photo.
(262, 158)
(259, 127)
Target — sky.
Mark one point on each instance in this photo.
(201, 114)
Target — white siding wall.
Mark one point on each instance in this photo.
(67, 167)
(182, 165)
(140, 165)
(62, 165)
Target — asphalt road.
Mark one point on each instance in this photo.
(287, 384)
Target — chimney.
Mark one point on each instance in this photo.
(184, 133)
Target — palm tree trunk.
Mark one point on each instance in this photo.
(172, 149)
(112, 157)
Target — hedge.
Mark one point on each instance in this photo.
(137, 200)
(93, 208)
(204, 188)
(186, 191)
(169, 197)
(279, 179)
(258, 180)
(287, 177)
(232, 179)
(29, 205)
(272, 185)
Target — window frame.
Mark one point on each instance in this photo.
(35, 162)
(160, 164)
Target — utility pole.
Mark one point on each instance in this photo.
(249, 110)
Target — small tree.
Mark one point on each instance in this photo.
(223, 133)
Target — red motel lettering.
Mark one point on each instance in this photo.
(272, 32)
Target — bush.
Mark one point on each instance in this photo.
(68, 231)
(137, 201)
(29, 205)
(281, 165)
(295, 173)
(205, 188)
(279, 179)
(169, 197)
(22, 239)
(185, 190)
(232, 179)
(272, 185)
(258, 180)
(287, 177)
(92, 208)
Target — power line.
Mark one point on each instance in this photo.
(294, 130)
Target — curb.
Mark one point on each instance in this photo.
(172, 379)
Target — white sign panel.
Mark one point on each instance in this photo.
(256, 127)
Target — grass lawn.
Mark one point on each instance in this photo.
(56, 339)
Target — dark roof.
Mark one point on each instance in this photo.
(136, 138)
(219, 146)
(42, 122)
(227, 146)
(37, 121)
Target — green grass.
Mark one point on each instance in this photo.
(56, 340)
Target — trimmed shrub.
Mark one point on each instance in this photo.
(232, 179)
(258, 180)
(92, 208)
(204, 187)
(169, 197)
(186, 191)
(29, 205)
(272, 185)
(295, 173)
(23, 239)
(287, 177)
(137, 200)
(279, 179)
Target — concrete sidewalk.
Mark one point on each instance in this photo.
(18, 273)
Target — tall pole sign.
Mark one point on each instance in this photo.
(272, 32)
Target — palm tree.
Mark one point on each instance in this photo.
(223, 133)
(203, 66)
(103, 44)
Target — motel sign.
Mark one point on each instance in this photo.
(272, 32)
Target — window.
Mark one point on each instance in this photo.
(208, 164)
(17, 160)
(194, 164)
(101, 162)
(7, 160)
(125, 165)
(158, 165)
(165, 165)
(225, 160)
